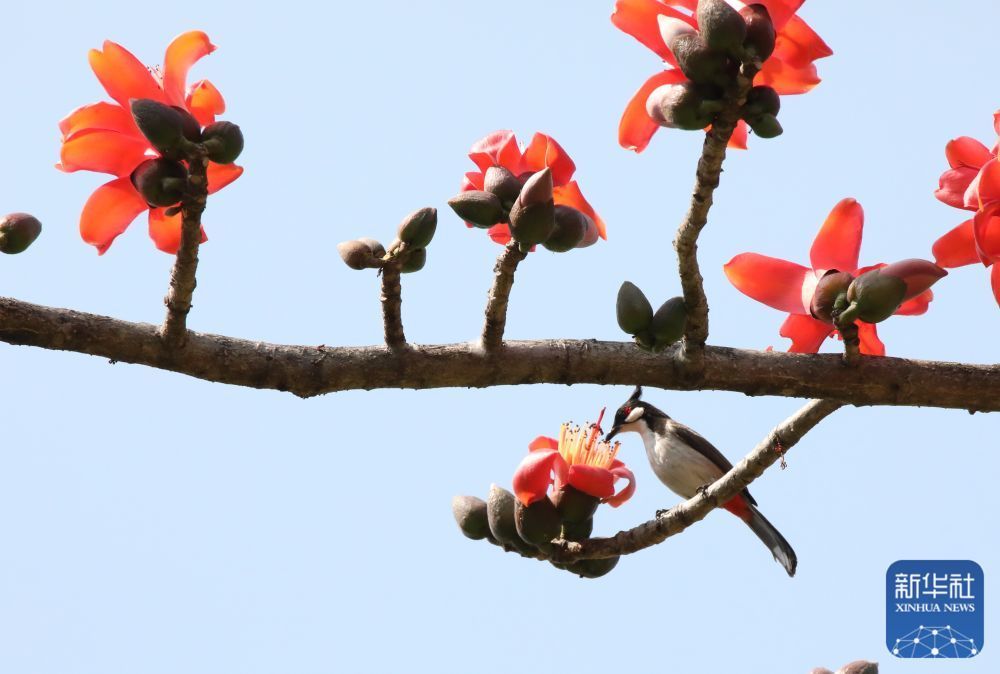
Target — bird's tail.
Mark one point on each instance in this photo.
(775, 542)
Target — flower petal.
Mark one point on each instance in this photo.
(103, 116)
(916, 306)
(620, 471)
(787, 80)
(636, 127)
(103, 152)
(986, 231)
(500, 233)
(497, 149)
(957, 248)
(952, 186)
(807, 333)
(534, 475)
(545, 152)
(570, 195)
(165, 231)
(109, 211)
(738, 141)
(838, 242)
(220, 175)
(205, 102)
(183, 52)
(638, 18)
(543, 442)
(871, 345)
(995, 281)
(592, 480)
(967, 152)
(123, 76)
(772, 281)
(989, 184)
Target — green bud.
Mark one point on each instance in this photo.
(830, 295)
(163, 126)
(765, 126)
(17, 232)
(358, 255)
(761, 35)
(876, 296)
(160, 181)
(919, 275)
(699, 63)
(415, 260)
(571, 227)
(722, 28)
(679, 106)
(417, 229)
(633, 310)
(644, 340)
(470, 514)
(578, 531)
(762, 100)
(593, 568)
(500, 505)
(532, 217)
(499, 181)
(482, 209)
(574, 505)
(537, 523)
(223, 142)
(668, 322)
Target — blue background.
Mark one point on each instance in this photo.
(155, 523)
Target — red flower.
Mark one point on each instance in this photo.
(103, 137)
(500, 149)
(789, 70)
(576, 459)
(787, 286)
(972, 183)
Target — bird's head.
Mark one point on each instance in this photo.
(632, 414)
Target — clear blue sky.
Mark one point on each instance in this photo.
(154, 523)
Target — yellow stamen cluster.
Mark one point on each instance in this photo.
(580, 446)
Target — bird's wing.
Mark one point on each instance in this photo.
(706, 448)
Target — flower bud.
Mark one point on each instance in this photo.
(481, 209)
(160, 181)
(697, 61)
(574, 505)
(593, 568)
(532, 217)
(163, 126)
(830, 295)
(761, 35)
(918, 275)
(633, 310)
(578, 531)
(417, 229)
(668, 323)
(500, 516)
(377, 249)
(499, 181)
(820, 670)
(762, 100)
(680, 106)
(859, 667)
(358, 255)
(17, 232)
(223, 142)
(644, 340)
(470, 514)
(415, 261)
(722, 28)
(875, 296)
(570, 229)
(765, 126)
(537, 523)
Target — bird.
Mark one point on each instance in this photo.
(687, 464)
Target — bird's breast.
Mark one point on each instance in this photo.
(679, 466)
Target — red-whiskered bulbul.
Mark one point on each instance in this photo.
(687, 463)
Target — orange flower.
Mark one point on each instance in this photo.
(103, 137)
(789, 70)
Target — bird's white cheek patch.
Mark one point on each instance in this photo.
(634, 415)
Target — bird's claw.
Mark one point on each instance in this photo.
(703, 489)
(661, 512)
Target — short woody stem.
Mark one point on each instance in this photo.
(499, 295)
(392, 302)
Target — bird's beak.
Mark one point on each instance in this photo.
(612, 433)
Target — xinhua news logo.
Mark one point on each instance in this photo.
(934, 609)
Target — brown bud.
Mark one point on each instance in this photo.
(570, 229)
(161, 124)
(160, 181)
(532, 217)
(765, 126)
(357, 255)
(377, 249)
(415, 260)
(470, 514)
(593, 568)
(223, 142)
(859, 667)
(760, 101)
(668, 322)
(417, 229)
(578, 531)
(500, 516)
(17, 232)
(722, 28)
(761, 35)
(697, 61)
(574, 505)
(680, 106)
(875, 296)
(918, 275)
(820, 670)
(830, 295)
(633, 310)
(482, 209)
(537, 523)
(499, 181)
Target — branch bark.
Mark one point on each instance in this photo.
(310, 370)
(680, 517)
(499, 295)
(392, 302)
(183, 277)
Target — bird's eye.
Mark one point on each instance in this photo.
(634, 414)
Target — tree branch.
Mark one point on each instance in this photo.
(499, 295)
(707, 175)
(310, 370)
(392, 318)
(183, 275)
(680, 517)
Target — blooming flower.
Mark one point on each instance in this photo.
(972, 183)
(103, 137)
(789, 70)
(500, 148)
(787, 286)
(578, 459)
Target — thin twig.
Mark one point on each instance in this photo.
(183, 276)
(499, 295)
(392, 319)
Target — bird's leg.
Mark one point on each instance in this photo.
(661, 512)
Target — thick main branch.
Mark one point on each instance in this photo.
(313, 370)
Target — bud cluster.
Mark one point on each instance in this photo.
(408, 250)
(529, 530)
(527, 204)
(17, 232)
(651, 331)
(710, 57)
